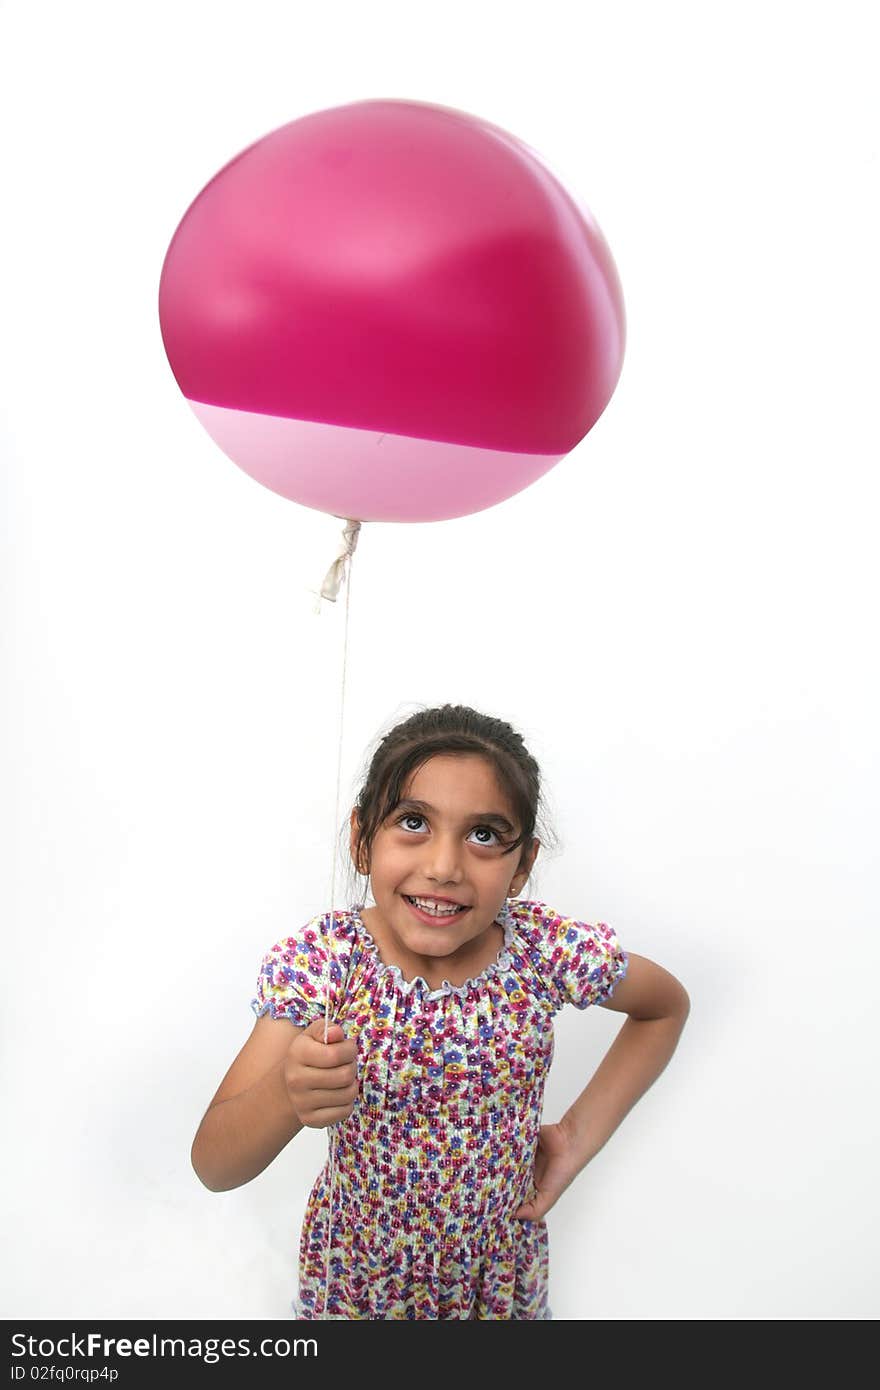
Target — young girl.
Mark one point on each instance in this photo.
(442, 998)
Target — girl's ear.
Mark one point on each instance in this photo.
(527, 869)
(531, 855)
(352, 843)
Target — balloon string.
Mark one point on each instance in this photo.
(329, 590)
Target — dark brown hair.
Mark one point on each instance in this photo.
(449, 729)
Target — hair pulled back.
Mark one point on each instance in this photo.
(448, 729)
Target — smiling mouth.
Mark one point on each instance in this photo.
(427, 915)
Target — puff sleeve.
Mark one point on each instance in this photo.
(580, 963)
(297, 973)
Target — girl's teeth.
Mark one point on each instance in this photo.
(435, 911)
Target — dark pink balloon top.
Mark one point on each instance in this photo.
(396, 266)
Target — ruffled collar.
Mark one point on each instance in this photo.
(505, 918)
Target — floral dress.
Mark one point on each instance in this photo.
(439, 1150)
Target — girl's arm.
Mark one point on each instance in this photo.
(251, 1118)
(658, 1006)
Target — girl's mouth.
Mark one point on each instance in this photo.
(434, 917)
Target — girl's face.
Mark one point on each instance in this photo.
(450, 846)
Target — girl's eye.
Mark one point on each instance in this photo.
(413, 815)
(490, 831)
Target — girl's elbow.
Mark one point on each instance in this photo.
(202, 1172)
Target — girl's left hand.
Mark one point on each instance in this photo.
(556, 1166)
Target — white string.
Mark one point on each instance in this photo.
(329, 590)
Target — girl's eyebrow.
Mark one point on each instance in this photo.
(489, 817)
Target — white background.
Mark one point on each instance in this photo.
(680, 618)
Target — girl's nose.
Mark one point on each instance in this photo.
(442, 862)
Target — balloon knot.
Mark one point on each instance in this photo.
(335, 574)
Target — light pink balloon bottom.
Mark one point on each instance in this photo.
(364, 476)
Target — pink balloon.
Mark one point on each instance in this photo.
(392, 311)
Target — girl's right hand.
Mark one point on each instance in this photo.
(321, 1078)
